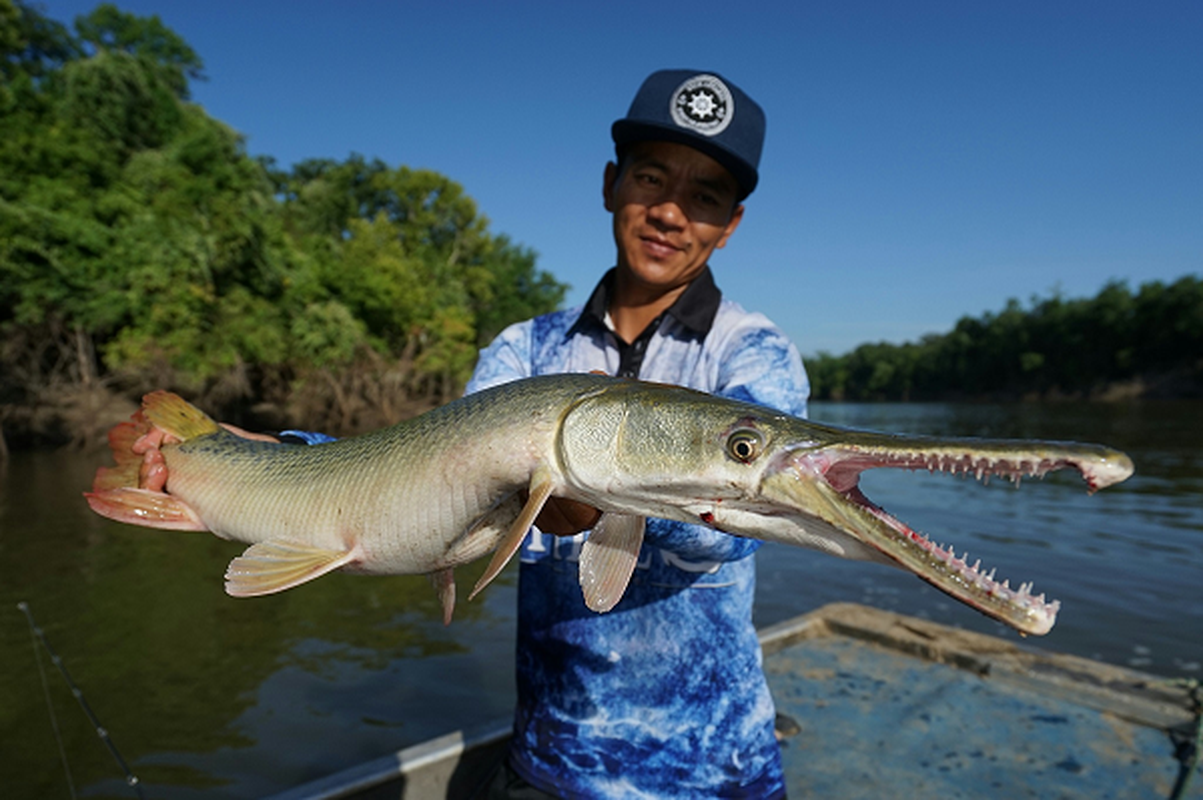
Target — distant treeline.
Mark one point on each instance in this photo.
(141, 247)
(1118, 343)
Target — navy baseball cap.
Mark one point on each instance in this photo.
(702, 110)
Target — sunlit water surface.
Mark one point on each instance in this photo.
(206, 696)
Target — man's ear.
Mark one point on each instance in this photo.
(608, 184)
(737, 214)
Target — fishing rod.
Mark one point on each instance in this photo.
(37, 635)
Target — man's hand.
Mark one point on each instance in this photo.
(152, 474)
(564, 517)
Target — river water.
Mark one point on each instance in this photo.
(206, 696)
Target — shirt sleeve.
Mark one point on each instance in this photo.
(307, 437)
(507, 358)
(759, 364)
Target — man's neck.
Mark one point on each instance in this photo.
(634, 306)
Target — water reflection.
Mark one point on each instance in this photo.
(201, 691)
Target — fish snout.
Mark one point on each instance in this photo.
(1111, 468)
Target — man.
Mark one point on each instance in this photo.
(664, 696)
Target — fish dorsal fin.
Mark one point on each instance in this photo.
(443, 582)
(608, 558)
(175, 415)
(540, 489)
(270, 567)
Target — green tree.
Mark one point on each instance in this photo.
(31, 45)
(140, 246)
(409, 254)
(1061, 345)
(108, 30)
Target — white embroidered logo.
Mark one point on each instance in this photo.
(703, 104)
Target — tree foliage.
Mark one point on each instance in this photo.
(1054, 346)
(141, 246)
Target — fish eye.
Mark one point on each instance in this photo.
(745, 445)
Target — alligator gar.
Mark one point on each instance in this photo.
(470, 477)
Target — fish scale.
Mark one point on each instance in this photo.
(369, 487)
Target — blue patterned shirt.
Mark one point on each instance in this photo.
(665, 695)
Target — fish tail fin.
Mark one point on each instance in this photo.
(121, 492)
(121, 443)
(174, 415)
(146, 508)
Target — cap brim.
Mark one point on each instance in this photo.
(627, 132)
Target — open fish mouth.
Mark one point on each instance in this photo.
(826, 479)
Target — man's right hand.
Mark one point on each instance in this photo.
(152, 475)
(564, 517)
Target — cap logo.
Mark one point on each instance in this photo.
(703, 104)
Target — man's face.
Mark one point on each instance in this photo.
(672, 206)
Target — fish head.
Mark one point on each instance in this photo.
(751, 471)
(637, 445)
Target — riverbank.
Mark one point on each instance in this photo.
(80, 416)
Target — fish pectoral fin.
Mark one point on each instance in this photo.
(608, 558)
(146, 508)
(540, 489)
(270, 567)
(443, 582)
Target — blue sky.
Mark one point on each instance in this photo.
(924, 160)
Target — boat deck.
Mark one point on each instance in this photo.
(892, 706)
(876, 704)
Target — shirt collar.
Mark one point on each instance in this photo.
(696, 308)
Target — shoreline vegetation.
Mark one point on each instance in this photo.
(1118, 345)
(141, 247)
